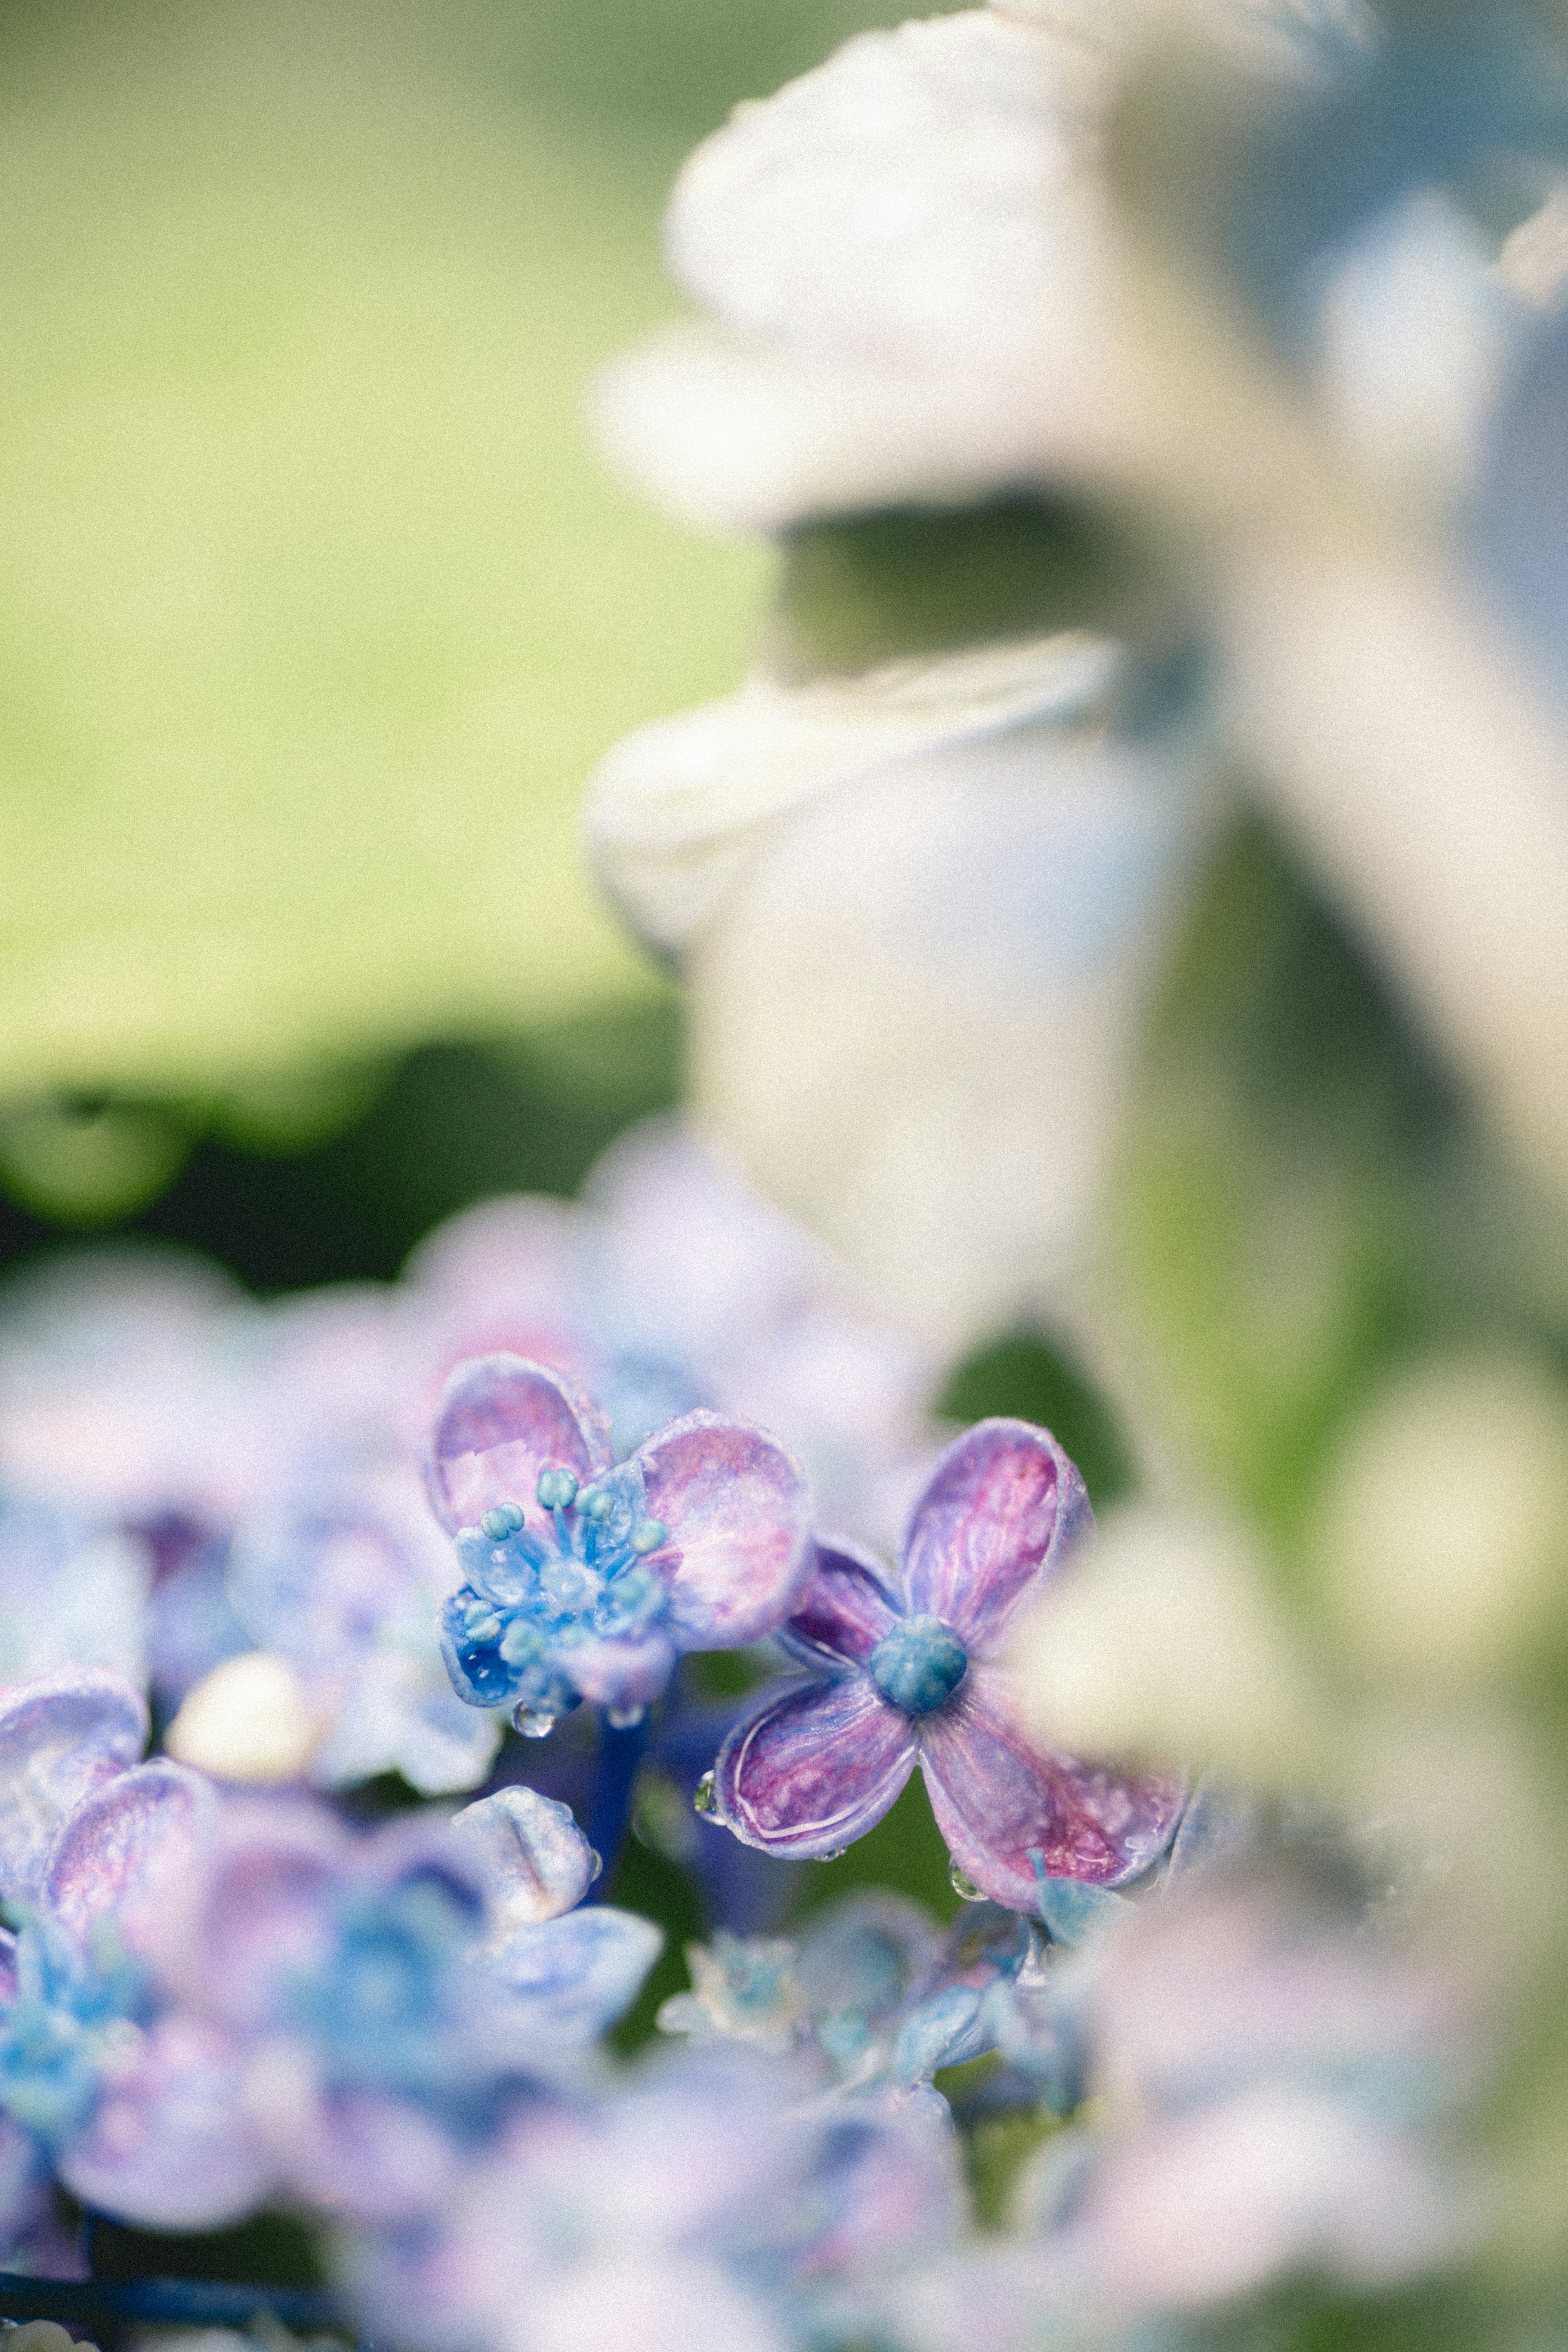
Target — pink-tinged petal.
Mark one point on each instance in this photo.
(815, 1768)
(997, 1794)
(847, 1607)
(61, 1738)
(365, 2154)
(1004, 1509)
(500, 1422)
(630, 1673)
(260, 1913)
(500, 1279)
(124, 1850)
(170, 2146)
(737, 1513)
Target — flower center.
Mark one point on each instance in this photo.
(535, 1591)
(919, 1665)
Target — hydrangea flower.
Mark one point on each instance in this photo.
(910, 1668)
(695, 2203)
(340, 1584)
(870, 1987)
(137, 2107)
(73, 1591)
(585, 1578)
(672, 1285)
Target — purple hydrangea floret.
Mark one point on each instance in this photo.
(585, 1579)
(911, 1667)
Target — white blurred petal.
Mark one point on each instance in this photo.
(1164, 1642)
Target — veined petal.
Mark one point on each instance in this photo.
(171, 2146)
(997, 1519)
(1000, 1798)
(501, 1421)
(60, 1739)
(577, 1974)
(815, 1768)
(117, 1852)
(535, 1859)
(736, 1507)
(845, 1610)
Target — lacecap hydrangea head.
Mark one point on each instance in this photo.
(584, 1579)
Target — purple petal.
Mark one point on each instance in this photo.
(118, 1850)
(60, 1739)
(1001, 1513)
(621, 1673)
(171, 2146)
(363, 2153)
(845, 1610)
(815, 1768)
(574, 1975)
(738, 1514)
(500, 1422)
(998, 1795)
(260, 1913)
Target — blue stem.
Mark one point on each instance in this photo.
(616, 1766)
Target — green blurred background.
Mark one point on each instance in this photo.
(315, 607)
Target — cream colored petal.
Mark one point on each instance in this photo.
(672, 812)
(916, 1011)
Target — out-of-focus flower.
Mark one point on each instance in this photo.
(911, 1668)
(135, 2107)
(73, 1591)
(671, 1286)
(340, 1589)
(697, 2204)
(1269, 2076)
(374, 2049)
(919, 912)
(586, 1578)
(869, 1988)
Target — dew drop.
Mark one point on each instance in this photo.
(836, 1855)
(964, 1885)
(703, 1802)
(533, 1722)
(625, 1719)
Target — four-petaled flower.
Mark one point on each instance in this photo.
(911, 1668)
(585, 1578)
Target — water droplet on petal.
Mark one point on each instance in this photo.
(836, 1855)
(597, 1859)
(703, 1802)
(625, 1719)
(533, 1722)
(965, 1887)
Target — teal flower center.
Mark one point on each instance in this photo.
(918, 1664)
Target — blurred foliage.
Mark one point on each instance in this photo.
(1306, 1200)
(455, 1123)
(916, 581)
(315, 608)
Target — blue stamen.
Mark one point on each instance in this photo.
(918, 1664)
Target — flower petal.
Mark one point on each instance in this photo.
(999, 1798)
(116, 1852)
(171, 2146)
(535, 1859)
(738, 1514)
(60, 1739)
(500, 1422)
(996, 1521)
(845, 1610)
(620, 1673)
(577, 1974)
(813, 1767)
